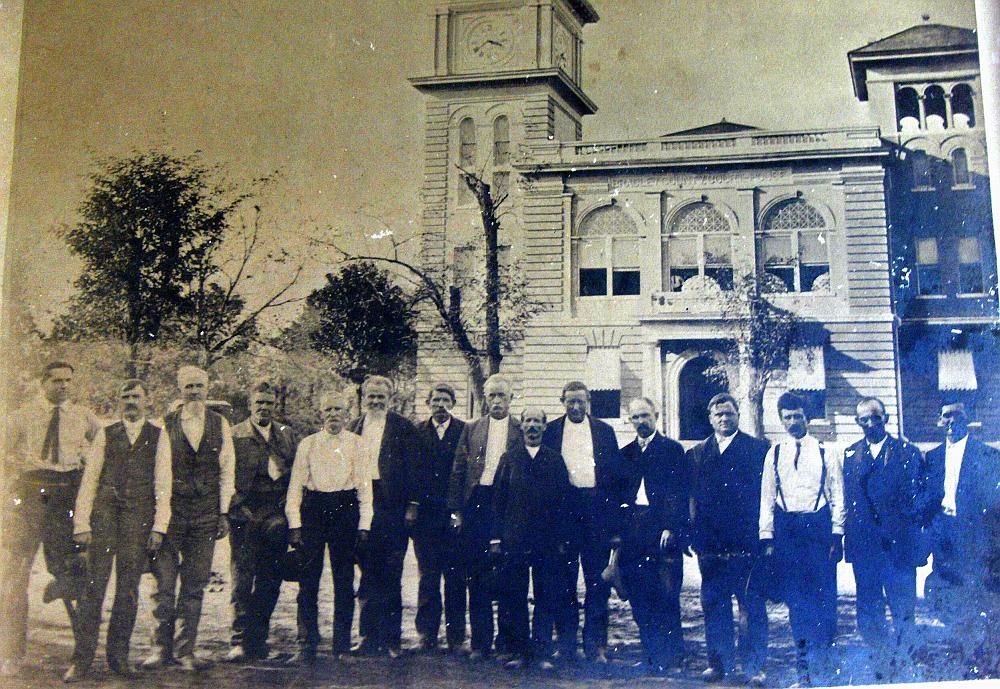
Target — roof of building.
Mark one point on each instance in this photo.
(915, 42)
(723, 126)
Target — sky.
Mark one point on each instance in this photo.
(318, 90)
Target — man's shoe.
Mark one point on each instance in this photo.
(192, 663)
(428, 642)
(600, 657)
(11, 667)
(303, 657)
(803, 682)
(367, 648)
(156, 659)
(476, 655)
(546, 665)
(757, 679)
(74, 673)
(712, 674)
(514, 663)
(237, 654)
(120, 668)
(394, 652)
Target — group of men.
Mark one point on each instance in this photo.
(492, 506)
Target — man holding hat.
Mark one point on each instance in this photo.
(198, 443)
(265, 450)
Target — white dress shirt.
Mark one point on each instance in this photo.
(372, 431)
(953, 455)
(496, 445)
(532, 450)
(195, 426)
(641, 499)
(28, 426)
(876, 448)
(273, 468)
(578, 453)
(800, 486)
(327, 463)
(724, 441)
(162, 481)
(441, 428)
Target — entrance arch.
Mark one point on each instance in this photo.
(694, 391)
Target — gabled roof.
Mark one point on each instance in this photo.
(721, 127)
(922, 40)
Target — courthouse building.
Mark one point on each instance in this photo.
(878, 237)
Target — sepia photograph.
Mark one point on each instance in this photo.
(460, 344)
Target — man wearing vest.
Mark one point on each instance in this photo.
(590, 449)
(199, 445)
(48, 439)
(433, 541)
(265, 450)
(470, 499)
(122, 511)
(802, 527)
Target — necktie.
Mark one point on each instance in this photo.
(798, 451)
(50, 447)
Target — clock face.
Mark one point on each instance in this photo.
(489, 41)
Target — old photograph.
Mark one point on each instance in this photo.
(499, 343)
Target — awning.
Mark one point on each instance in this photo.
(806, 369)
(604, 368)
(956, 370)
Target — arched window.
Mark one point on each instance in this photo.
(960, 167)
(606, 253)
(466, 157)
(793, 249)
(907, 109)
(962, 104)
(501, 157)
(697, 243)
(934, 109)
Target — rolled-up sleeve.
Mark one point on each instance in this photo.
(768, 494)
(88, 484)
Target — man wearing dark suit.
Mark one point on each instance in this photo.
(883, 495)
(433, 540)
(590, 449)
(655, 536)
(470, 501)
(265, 450)
(122, 511)
(531, 532)
(963, 483)
(393, 448)
(726, 472)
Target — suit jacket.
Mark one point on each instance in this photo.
(664, 471)
(968, 544)
(434, 472)
(470, 459)
(531, 501)
(252, 454)
(398, 458)
(610, 472)
(725, 494)
(885, 500)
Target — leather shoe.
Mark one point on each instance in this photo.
(757, 679)
(367, 648)
(600, 657)
(236, 654)
(476, 655)
(120, 668)
(74, 673)
(394, 652)
(712, 674)
(192, 663)
(303, 657)
(156, 659)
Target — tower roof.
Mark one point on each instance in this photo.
(920, 41)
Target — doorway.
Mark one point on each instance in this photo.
(695, 390)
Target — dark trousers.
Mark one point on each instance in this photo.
(381, 619)
(329, 523)
(555, 603)
(480, 568)
(881, 582)
(119, 533)
(186, 554)
(654, 589)
(802, 547)
(256, 581)
(434, 546)
(723, 577)
(39, 513)
(590, 547)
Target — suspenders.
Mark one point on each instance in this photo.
(822, 477)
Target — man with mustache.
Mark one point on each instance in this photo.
(257, 538)
(122, 511)
(393, 450)
(48, 440)
(198, 444)
(802, 527)
(470, 499)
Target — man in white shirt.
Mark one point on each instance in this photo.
(122, 511)
(590, 449)
(802, 527)
(199, 445)
(470, 499)
(47, 441)
(329, 507)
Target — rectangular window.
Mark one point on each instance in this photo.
(970, 266)
(718, 260)
(778, 259)
(928, 267)
(813, 259)
(593, 267)
(681, 261)
(625, 266)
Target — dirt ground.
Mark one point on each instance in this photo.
(50, 646)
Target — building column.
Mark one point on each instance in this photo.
(923, 112)
(949, 123)
(652, 377)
